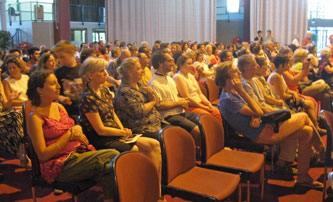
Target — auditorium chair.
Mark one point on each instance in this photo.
(181, 176)
(235, 140)
(135, 178)
(328, 124)
(74, 188)
(213, 91)
(215, 156)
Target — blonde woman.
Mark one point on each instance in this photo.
(98, 119)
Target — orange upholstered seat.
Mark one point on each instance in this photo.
(215, 156)
(180, 175)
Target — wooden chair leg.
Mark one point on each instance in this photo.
(239, 192)
(272, 157)
(248, 191)
(262, 181)
(33, 194)
(324, 182)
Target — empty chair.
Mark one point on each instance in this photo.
(233, 139)
(180, 175)
(215, 156)
(135, 178)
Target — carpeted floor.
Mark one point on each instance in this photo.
(16, 186)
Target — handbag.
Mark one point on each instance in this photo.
(293, 106)
(275, 117)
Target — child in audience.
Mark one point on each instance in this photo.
(68, 77)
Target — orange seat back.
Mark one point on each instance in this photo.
(178, 152)
(212, 90)
(135, 177)
(212, 135)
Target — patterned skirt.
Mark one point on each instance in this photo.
(11, 130)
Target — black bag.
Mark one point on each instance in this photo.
(291, 103)
(275, 117)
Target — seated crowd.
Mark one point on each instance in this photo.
(101, 96)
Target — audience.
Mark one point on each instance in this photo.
(11, 131)
(135, 103)
(202, 68)
(242, 113)
(57, 140)
(113, 65)
(297, 80)
(265, 88)
(16, 82)
(68, 76)
(100, 122)
(110, 120)
(47, 61)
(248, 67)
(325, 66)
(188, 88)
(292, 98)
(171, 106)
(145, 64)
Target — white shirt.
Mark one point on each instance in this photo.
(165, 88)
(19, 86)
(192, 85)
(295, 42)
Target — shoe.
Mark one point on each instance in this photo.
(311, 185)
(58, 191)
(317, 162)
(286, 170)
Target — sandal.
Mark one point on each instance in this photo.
(312, 185)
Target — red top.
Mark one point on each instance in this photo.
(53, 130)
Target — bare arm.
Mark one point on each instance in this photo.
(96, 122)
(252, 108)
(269, 99)
(9, 92)
(44, 153)
(328, 69)
(293, 80)
(276, 81)
(183, 91)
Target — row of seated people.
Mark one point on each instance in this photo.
(100, 119)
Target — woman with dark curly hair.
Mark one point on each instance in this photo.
(63, 150)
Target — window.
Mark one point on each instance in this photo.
(78, 35)
(233, 6)
(320, 21)
(99, 35)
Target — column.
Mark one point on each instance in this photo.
(62, 20)
(108, 13)
(3, 15)
(246, 26)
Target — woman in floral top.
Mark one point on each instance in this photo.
(135, 102)
(98, 119)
